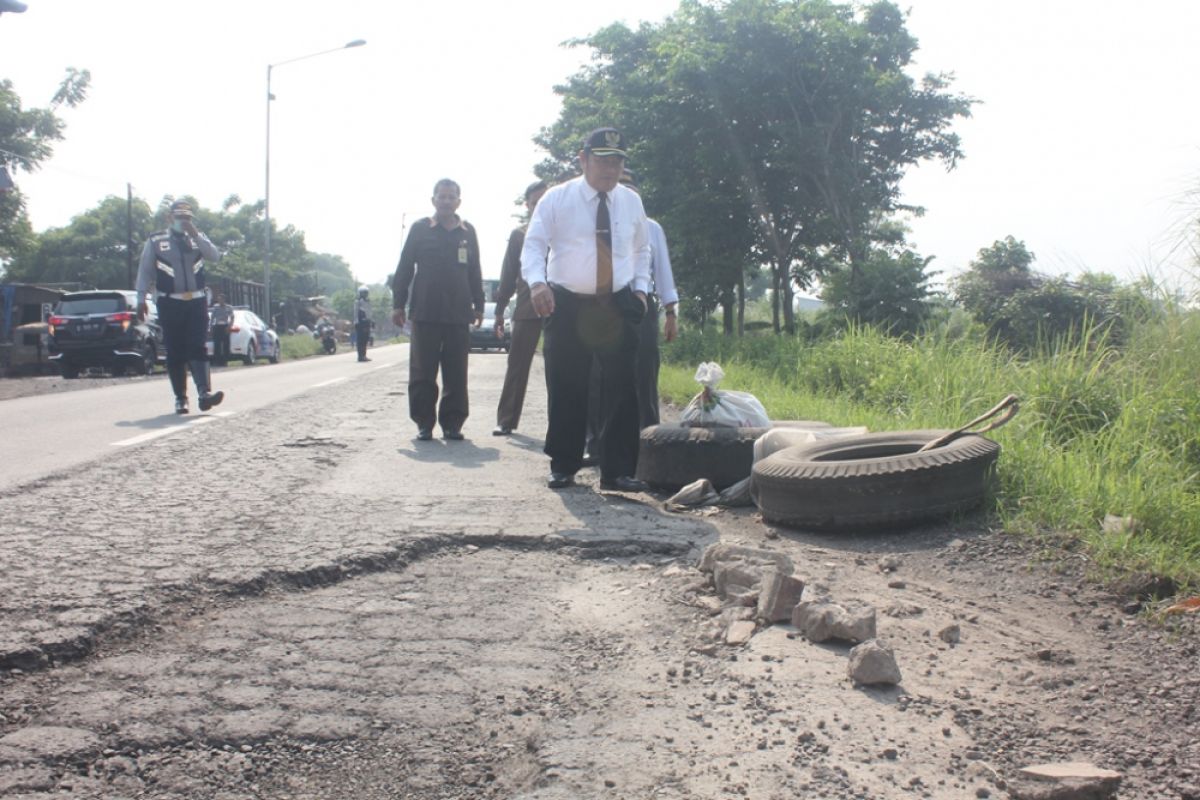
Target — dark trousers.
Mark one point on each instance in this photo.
(362, 335)
(645, 382)
(185, 329)
(220, 338)
(583, 328)
(434, 346)
(525, 336)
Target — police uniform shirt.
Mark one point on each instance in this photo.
(560, 244)
(181, 254)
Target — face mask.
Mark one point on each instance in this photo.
(177, 226)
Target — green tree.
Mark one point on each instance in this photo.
(888, 290)
(775, 130)
(92, 249)
(27, 137)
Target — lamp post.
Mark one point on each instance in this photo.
(267, 194)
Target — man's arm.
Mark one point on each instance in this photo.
(510, 271)
(207, 248)
(403, 277)
(664, 279)
(145, 277)
(475, 274)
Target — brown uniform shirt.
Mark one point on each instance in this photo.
(511, 280)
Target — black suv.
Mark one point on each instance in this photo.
(100, 328)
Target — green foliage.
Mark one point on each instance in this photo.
(298, 345)
(1029, 311)
(27, 137)
(888, 291)
(764, 131)
(91, 249)
(1103, 430)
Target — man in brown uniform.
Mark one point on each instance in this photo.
(526, 325)
(440, 261)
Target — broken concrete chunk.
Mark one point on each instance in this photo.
(951, 634)
(889, 563)
(779, 595)
(752, 555)
(873, 663)
(821, 621)
(742, 596)
(728, 574)
(739, 632)
(1067, 781)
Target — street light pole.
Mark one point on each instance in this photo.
(267, 192)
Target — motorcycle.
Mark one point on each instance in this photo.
(326, 333)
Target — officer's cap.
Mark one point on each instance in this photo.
(605, 142)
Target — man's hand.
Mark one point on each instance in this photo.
(478, 319)
(543, 299)
(189, 228)
(143, 311)
(399, 318)
(670, 328)
(499, 326)
(645, 303)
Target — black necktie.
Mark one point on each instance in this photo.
(604, 265)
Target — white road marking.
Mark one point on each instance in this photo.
(381, 366)
(329, 383)
(151, 435)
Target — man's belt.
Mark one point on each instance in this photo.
(183, 295)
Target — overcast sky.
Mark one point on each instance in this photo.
(1086, 144)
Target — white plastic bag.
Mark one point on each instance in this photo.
(713, 408)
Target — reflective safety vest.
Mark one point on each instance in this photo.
(170, 261)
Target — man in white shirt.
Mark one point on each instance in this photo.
(587, 262)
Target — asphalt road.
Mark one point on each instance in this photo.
(58, 431)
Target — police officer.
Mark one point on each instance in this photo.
(222, 320)
(362, 321)
(172, 266)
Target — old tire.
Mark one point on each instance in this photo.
(670, 456)
(874, 480)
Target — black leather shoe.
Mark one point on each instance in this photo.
(501, 430)
(181, 405)
(207, 400)
(560, 480)
(424, 434)
(624, 484)
(590, 461)
(454, 435)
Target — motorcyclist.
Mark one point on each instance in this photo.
(325, 331)
(362, 321)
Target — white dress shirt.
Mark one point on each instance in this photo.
(660, 265)
(564, 227)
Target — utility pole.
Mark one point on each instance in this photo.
(129, 234)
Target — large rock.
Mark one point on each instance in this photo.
(751, 555)
(822, 621)
(873, 663)
(1066, 781)
(779, 595)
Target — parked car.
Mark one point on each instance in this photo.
(100, 329)
(484, 337)
(249, 338)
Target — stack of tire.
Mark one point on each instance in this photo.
(870, 481)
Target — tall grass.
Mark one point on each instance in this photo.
(1102, 430)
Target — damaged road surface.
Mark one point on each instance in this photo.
(305, 602)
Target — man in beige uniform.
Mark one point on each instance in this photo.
(526, 325)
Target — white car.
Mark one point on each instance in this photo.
(249, 338)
